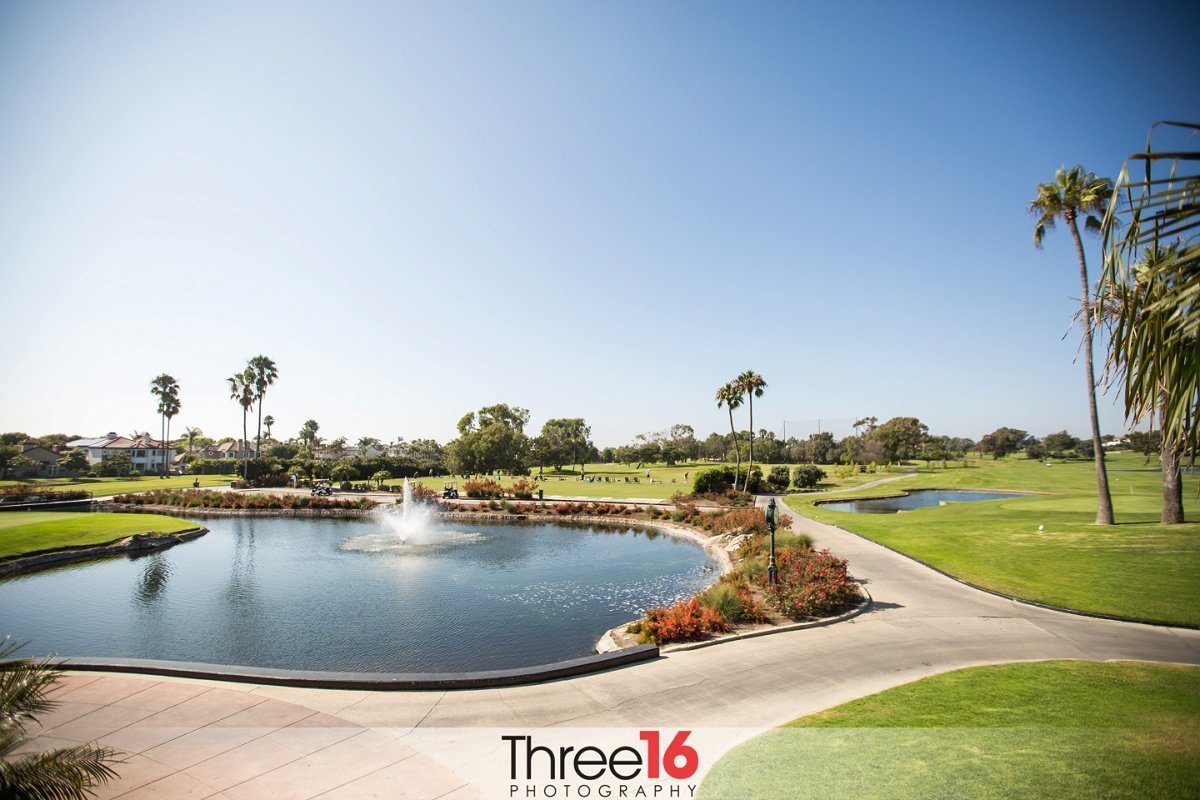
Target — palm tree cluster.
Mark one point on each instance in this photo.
(166, 389)
(247, 388)
(66, 773)
(1074, 193)
(749, 385)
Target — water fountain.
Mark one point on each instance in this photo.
(410, 528)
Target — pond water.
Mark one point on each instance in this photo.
(916, 498)
(296, 594)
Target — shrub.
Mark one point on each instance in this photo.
(778, 478)
(683, 622)
(725, 600)
(807, 476)
(811, 584)
(756, 484)
(483, 488)
(716, 480)
(739, 520)
(524, 488)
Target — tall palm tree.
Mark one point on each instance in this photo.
(1152, 278)
(166, 389)
(268, 422)
(241, 390)
(64, 773)
(1075, 192)
(730, 396)
(264, 373)
(751, 384)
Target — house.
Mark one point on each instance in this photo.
(236, 449)
(147, 454)
(46, 462)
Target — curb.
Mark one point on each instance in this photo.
(372, 681)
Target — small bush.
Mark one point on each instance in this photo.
(807, 476)
(725, 600)
(717, 480)
(683, 622)
(483, 488)
(778, 478)
(811, 584)
(524, 488)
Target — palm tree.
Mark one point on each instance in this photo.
(730, 396)
(751, 384)
(263, 373)
(1152, 277)
(241, 390)
(268, 421)
(1072, 193)
(166, 389)
(65, 773)
(192, 434)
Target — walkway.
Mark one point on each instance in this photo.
(200, 739)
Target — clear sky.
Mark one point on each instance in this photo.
(601, 209)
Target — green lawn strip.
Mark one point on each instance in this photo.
(102, 487)
(1046, 730)
(1137, 568)
(24, 533)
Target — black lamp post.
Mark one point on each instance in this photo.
(772, 572)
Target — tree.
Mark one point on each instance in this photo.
(191, 434)
(166, 389)
(1002, 442)
(68, 773)
(1152, 274)
(1148, 443)
(268, 421)
(1075, 192)
(901, 437)
(564, 441)
(365, 443)
(308, 433)
(865, 422)
(262, 372)
(119, 464)
(1058, 444)
(73, 462)
(241, 391)
(8, 455)
(730, 396)
(489, 440)
(751, 384)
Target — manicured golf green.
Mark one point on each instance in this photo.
(1137, 568)
(1046, 730)
(103, 487)
(28, 532)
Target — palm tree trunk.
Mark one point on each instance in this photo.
(1172, 481)
(1104, 507)
(750, 466)
(737, 451)
(245, 444)
(167, 450)
(258, 435)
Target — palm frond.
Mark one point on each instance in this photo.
(64, 774)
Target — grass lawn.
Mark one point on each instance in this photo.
(28, 532)
(102, 487)
(1137, 568)
(1049, 730)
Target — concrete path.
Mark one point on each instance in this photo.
(254, 741)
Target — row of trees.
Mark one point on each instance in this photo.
(748, 385)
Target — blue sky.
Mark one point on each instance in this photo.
(602, 210)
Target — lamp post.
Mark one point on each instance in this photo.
(772, 572)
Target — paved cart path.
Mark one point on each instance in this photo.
(200, 739)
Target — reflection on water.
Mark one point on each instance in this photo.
(313, 594)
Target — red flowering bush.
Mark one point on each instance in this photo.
(483, 487)
(683, 622)
(524, 488)
(811, 584)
